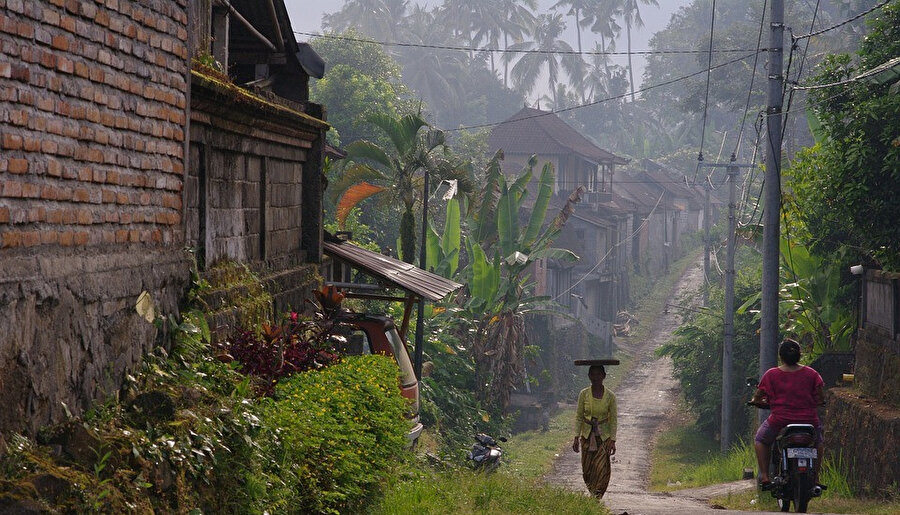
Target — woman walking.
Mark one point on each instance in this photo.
(595, 431)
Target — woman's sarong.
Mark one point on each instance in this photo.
(595, 467)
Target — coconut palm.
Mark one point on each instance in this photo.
(396, 172)
(436, 75)
(517, 18)
(555, 54)
(631, 15)
(376, 18)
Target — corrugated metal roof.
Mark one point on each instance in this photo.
(404, 275)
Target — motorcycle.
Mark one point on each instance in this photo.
(486, 453)
(792, 466)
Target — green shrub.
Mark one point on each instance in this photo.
(336, 434)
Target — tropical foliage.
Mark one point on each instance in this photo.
(847, 185)
(396, 171)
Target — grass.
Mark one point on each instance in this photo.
(753, 501)
(468, 492)
(683, 458)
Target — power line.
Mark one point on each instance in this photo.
(607, 99)
(841, 24)
(613, 247)
(762, 20)
(515, 51)
(712, 24)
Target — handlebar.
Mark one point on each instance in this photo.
(760, 405)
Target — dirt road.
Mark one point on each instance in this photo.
(645, 398)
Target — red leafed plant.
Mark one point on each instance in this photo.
(280, 350)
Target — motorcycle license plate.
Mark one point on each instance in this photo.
(801, 452)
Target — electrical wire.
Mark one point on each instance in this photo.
(613, 247)
(800, 70)
(841, 24)
(607, 99)
(712, 24)
(517, 51)
(762, 20)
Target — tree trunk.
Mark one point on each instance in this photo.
(407, 236)
(630, 68)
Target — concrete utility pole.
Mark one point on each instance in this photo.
(727, 352)
(728, 319)
(768, 331)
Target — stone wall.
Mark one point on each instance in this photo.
(92, 109)
(253, 189)
(866, 434)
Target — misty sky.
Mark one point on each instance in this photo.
(306, 16)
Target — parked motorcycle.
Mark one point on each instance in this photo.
(486, 453)
(792, 467)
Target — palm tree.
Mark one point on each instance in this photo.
(555, 54)
(601, 17)
(631, 14)
(576, 7)
(436, 75)
(396, 172)
(380, 19)
(517, 18)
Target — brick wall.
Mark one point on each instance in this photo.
(92, 116)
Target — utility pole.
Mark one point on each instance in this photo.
(728, 319)
(727, 347)
(706, 222)
(768, 331)
(420, 319)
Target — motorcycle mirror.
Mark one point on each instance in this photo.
(427, 368)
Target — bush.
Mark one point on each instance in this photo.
(279, 350)
(337, 433)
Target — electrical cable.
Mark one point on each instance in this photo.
(613, 247)
(800, 70)
(712, 24)
(762, 20)
(841, 24)
(607, 99)
(515, 51)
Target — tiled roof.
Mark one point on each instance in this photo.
(533, 131)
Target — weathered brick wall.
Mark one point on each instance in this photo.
(92, 113)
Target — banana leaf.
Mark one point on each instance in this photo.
(539, 210)
(433, 249)
(450, 240)
(507, 220)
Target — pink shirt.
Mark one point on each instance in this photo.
(792, 395)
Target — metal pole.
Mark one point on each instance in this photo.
(768, 333)
(420, 319)
(706, 221)
(727, 350)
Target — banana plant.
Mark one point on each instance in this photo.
(499, 289)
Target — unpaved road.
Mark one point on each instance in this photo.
(646, 397)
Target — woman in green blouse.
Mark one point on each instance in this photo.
(595, 431)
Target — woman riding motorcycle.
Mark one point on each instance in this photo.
(793, 392)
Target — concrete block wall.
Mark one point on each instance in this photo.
(92, 113)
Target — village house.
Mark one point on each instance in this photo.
(591, 287)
